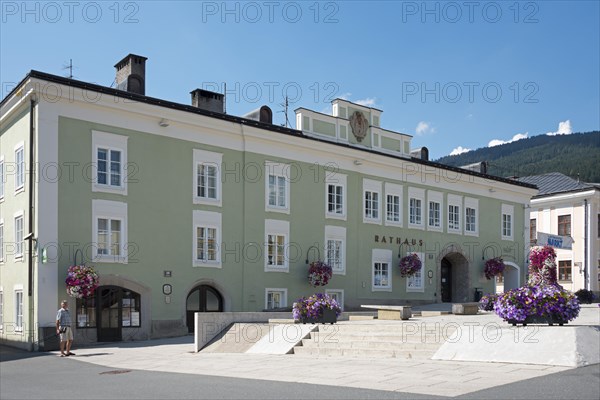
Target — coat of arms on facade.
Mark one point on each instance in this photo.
(359, 125)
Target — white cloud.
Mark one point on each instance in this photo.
(424, 127)
(345, 96)
(469, 117)
(498, 142)
(564, 128)
(459, 150)
(368, 102)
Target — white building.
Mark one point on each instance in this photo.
(567, 207)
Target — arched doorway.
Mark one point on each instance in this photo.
(454, 281)
(202, 298)
(509, 279)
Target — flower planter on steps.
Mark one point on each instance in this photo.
(328, 317)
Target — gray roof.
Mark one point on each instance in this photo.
(555, 182)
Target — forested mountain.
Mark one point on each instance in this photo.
(575, 155)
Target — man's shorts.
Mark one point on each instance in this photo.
(68, 335)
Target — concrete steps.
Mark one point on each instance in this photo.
(407, 340)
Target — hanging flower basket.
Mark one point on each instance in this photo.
(494, 267)
(81, 281)
(319, 273)
(410, 265)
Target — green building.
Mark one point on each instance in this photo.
(183, 208)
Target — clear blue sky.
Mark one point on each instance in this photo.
(450, 73)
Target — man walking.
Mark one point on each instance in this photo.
(63, 327)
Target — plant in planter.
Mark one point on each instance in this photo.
(585, 296)
(409, 265)
(486, 303)
(81, 281)
(319, 273)
(318, 308)
(494, 267)
(542, 300)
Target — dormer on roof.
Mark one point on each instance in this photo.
(355, 124)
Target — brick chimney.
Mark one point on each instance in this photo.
(131, 74)
(209, 101)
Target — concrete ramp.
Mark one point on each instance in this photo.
(569, 346)
(282, 338)
(237, 338)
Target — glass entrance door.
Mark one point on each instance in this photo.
(446, 277)
(109, 314)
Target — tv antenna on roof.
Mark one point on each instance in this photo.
(285, 111)
(69, 67)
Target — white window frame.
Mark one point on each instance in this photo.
(411, 285)
(1, 241)
(381, 256)
(2, 178)
(210, 159)
(278, 170)
(18, 308)
(416, 194)
(455, 201)
(111, 210)
(110, 142)
(473, 204)
(335, 180)
(282, 291)
(340, 295)
(435, 197)
(277, 228)
(392, 189)
(336, 233)
(20, 168)
(206, 219)
(508, 210)
(372, 187)
(19, 243)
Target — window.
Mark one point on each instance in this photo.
(471, 216)
(19, 310)
(564, 271)
(507, 222)
(207, 239)
(1, 178)
(532, 231)
(275, 298)
(500, 278)
(206, 249)
(130, 309)
(415, 207)
(415, 212)
(371, 201)
(393, 204)
(335, 238)
(454, 206)
(434, 210)
(86, 312)
(276, 245)
(277, 187)
(414, 283)
(19, 167)
(110, 160)
(109, 225)
(207, 177)
(1, 240)
(336, 195)
(564, 225)
(19, 243)
(109, 237)
(382, 273)
(109, 167)
(337, 295)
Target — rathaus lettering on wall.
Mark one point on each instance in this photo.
(398, 240)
